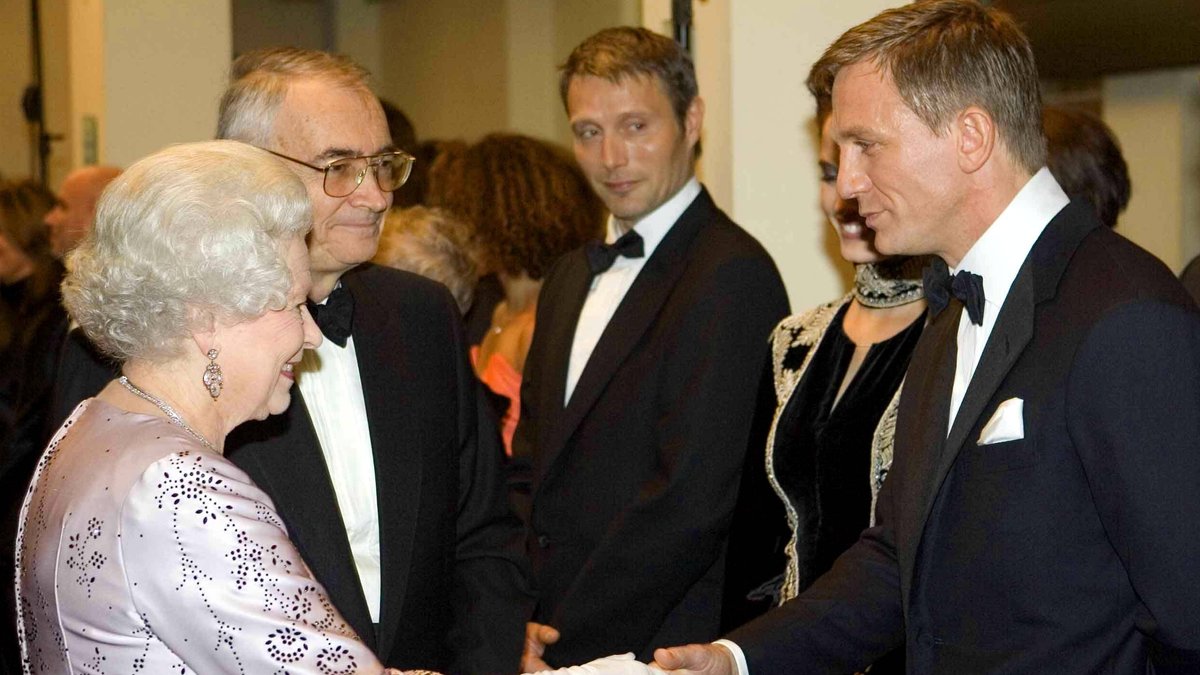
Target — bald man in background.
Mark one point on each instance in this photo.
(71, 217)
(68, 222)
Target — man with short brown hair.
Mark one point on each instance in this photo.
(640, 384)
(1040, 515)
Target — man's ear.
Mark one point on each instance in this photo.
(976, 136)
(693, 120)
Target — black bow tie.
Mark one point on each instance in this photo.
(335, 317)
(601, 256)
(964, 285)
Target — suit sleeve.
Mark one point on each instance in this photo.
(850, 617)
(1133, 402)
(493, 596)
(759, 531)
(675, 529)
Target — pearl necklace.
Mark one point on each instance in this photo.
(167, 410)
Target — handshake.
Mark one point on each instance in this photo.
(711, 659)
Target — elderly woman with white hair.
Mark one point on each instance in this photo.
(141, 548)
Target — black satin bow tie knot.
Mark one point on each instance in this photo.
(602, 256)
(964, 285)
(336, 316)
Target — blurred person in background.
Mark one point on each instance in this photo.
(835, 375)
(29, 278)
(404, 137)
(30, 311)
(36, 418)
(1085, 158)
(75, 207)
(433, 243)
(528, 204)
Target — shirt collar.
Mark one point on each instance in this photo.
(336, 285)
(997, 256)
(655, 225)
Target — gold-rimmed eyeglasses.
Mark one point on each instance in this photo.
(343, 176)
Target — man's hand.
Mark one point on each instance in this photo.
(537, 636)
(707, 659)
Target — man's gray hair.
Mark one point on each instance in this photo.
(191, 233)
(259, 80)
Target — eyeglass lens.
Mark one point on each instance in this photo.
(343, 176)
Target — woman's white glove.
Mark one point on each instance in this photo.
(618, 664)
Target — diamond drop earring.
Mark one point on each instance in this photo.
(213, 379)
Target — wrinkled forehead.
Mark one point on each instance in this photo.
(320, 119)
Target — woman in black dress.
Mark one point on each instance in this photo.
(828, 417)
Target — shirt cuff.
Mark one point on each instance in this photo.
(738, 656)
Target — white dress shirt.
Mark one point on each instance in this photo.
(609, 287)
(329, 379)
(997, 256)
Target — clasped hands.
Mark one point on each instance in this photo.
(707, 659)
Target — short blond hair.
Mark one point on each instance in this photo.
(433, 243)
(944, 56)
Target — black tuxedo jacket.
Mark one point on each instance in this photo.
(455, 591)
(635, 480)
(1070, 550)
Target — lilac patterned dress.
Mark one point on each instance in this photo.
(141, 551)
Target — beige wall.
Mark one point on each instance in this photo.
(711, 54)
(294, 23)
(532, 96)
(464, 68)
(1156, 116)
(141, 75)
(773, 43)
(85, 90)
(56, 91)
(444, 64)
(357, 32)
(16, 72)
(165, 65)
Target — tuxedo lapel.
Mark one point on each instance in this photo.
(398, 470)
(922, 421)
(559, 336)
(1036, 282)
(632, 319)
(1013, 330)
(285, 452)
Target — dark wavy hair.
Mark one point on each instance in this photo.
(23, 205)
(1086, 160)
(526, 201)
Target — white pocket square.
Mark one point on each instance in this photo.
(1007, 423)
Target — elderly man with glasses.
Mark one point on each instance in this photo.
(384, 468)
